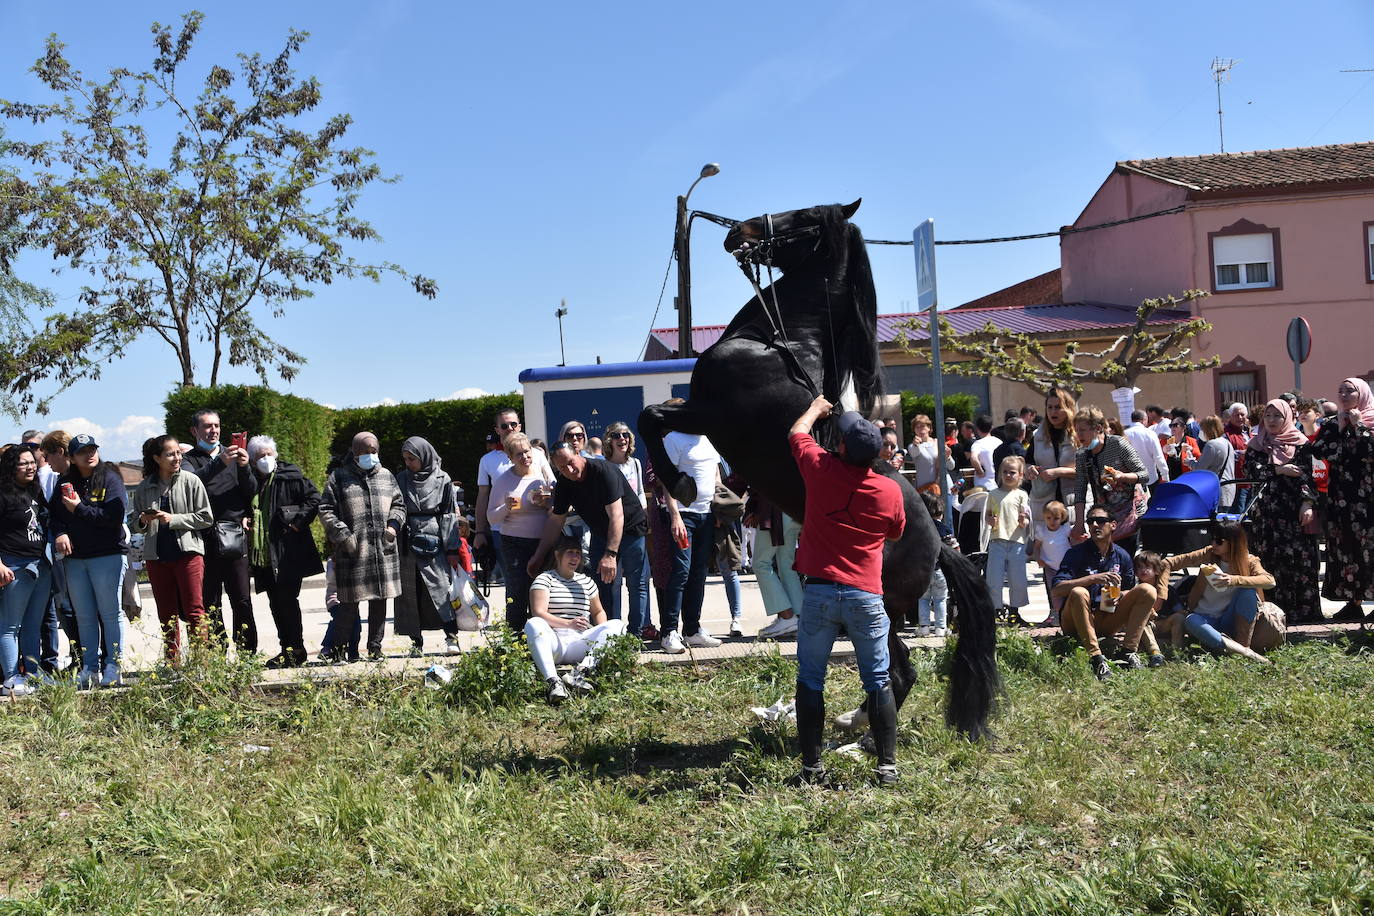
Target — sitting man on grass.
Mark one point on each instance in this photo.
(1094, 568)
(567, 623)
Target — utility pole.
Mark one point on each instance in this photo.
(682, 229)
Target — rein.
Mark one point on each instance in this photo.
(752, 258)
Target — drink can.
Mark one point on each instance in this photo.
(68, 491)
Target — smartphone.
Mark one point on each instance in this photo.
(239, 440)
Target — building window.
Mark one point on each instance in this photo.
(1245, 255)
(1240, 381)
(1369, 251)
(1244, 261)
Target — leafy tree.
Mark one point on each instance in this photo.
(1021, 357)
(242, 214)
(17, 298)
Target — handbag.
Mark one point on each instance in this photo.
(231, 542)
(424, 545)
(1126, 512)
(471, 611)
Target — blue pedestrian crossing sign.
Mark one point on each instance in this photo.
(924, 239)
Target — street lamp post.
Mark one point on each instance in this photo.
(684, 266)
(559, 313)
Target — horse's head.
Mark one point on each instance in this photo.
(787, 240)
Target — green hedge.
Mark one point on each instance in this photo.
(960, 406)
(302, 429)
(457, 429)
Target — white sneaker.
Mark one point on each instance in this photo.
(779, 627)
(452, 646)
(853, 721)
(672, 643)
(112, 676)
(922, 632)
(576, 679)
(702, 640)
(88, 678)
(18, 686)
(736, 631)
(940, 633)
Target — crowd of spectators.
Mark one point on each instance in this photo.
(588, 542)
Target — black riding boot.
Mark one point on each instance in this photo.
(810, 727)
(882, 720)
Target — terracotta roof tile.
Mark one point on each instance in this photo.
(1275, 168)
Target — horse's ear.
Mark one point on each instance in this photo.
(850, 209)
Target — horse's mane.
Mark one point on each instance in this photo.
(857, 348)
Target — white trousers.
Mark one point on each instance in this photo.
(552, 646)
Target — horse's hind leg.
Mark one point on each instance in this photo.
(655, 422)
(899, 670)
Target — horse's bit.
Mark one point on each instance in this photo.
(752, 259)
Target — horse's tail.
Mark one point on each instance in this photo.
(973, 681)
(862, 342)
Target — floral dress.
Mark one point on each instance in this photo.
(1276, 535)
(1349, 454)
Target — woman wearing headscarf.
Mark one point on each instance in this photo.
(1276, 533)
(429, 547)
(363, 512)
(1347, 446)
(283, 552)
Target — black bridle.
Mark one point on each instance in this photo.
(753, 258)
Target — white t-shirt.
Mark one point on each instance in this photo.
(1054, 544)
(696, 457)
(1146, 445)
(984, 448)
(568, 598)
(496, 463)
(634, 476)
(525, 522)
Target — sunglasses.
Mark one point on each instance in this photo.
(1099, 520)
(515, 425)
(1345, 390)
(620, 435)
(577, 435)
(1176, 424)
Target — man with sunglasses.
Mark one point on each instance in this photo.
(1089, 568)
(486, 540)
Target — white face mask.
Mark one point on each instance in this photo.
(367, 461)
(267, 464)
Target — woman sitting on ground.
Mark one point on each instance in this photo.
(1224, 601)
(567, 623)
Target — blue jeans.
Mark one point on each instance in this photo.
(933, 606)
(1007, 564)
(23, 604)
(631, 568)
(516, 553)
(687, 583)
(327, 644)
(730, 579)
(1242, 500)
(95, 585)
(825, 609)
(1209, 630)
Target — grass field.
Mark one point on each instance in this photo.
(1204, 787)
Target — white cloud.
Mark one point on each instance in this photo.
(463, 394)
(329, 405)
(384, 402)
(121, 442)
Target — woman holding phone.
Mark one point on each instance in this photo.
(171, 509)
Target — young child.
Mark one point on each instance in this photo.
(1007, 515)
(1151, 569)
(933, 606)
(1049, 548)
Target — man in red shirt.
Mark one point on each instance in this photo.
(851, 512)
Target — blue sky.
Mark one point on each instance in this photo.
(542, 147)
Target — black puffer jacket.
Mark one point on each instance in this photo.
(293, 500)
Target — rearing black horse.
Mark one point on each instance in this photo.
(814, 331)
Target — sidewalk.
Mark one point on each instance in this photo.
(146, 641)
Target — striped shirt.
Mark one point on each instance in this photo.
(568, 598)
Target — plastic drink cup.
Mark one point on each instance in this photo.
(516, 507)
(1114, 592)
(683, 541)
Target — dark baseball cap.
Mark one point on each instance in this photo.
(492, 438)
(85, 440)
(862, 441)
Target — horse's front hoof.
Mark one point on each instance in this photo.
(685, 490)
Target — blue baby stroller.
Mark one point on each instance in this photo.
(1183, 510)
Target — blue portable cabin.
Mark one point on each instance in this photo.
(1179, 519)
(599, 395)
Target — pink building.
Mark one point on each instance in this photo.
(1272, 235)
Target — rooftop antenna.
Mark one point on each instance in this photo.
(1221, 69)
